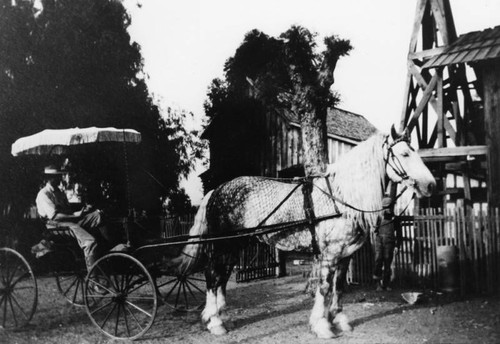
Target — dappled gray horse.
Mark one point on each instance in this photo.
(339, 209)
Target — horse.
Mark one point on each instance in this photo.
(334, 215)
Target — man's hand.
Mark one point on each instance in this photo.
(86, 209)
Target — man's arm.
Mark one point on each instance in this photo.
(47, 208)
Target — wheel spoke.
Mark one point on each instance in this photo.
(101, 307)
(133, 316)
(178, 294)
(115, 284)
(75, 293)
(19, 306)
(171, 290)
(65, 292)
(100, 285)
(117, 319)
(126, 321)
(186, 303)
(195, 279)
(138, 308)
(23, 288)
(103, 274)
(12, 309)
(136, 287)
(166, 283)
(108, 315)
(4, 302)
(190, 290)
(19, 278)
(143, 298)
(195, 286)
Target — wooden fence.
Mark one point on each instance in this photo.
(450, 251)
(441, 250)
(176, 225)
(255, 261)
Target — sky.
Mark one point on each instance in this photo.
(186, 43)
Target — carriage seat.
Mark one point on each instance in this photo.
(55, 229)
(54, 233)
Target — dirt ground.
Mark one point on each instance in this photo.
(277, 311)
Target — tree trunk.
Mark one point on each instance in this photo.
(314, 142)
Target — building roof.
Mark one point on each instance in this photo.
(343, 123)
(470, 47)
(349, 125)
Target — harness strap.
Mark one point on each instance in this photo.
(307, 187)
(279, 205)
(331, 194)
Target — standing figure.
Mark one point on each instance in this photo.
(53, 206)
(387, 238)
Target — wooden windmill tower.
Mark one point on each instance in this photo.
(444, 108)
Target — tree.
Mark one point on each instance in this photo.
(284, 72)
(73, 64)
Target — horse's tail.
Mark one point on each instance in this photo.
(191, 253)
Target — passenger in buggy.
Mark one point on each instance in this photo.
(53, 206)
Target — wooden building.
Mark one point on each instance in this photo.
(452, 107)
(269, 144)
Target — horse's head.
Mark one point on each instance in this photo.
(404, 165)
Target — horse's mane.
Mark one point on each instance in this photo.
(358, 179)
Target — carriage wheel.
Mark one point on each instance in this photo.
(184, 293)
(120, 296)
(70, 275)
(18, 289)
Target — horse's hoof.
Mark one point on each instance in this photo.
(322, 329)
(341, 322)
(218, 330)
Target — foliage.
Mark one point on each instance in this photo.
(73, 65)
(178, 203)
(269, 74)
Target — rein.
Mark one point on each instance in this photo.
(336, 199)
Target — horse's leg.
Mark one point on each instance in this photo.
(318, 321)
(338, 318)
(217, 274)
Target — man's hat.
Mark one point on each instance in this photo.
(52, 169)
(386, 202)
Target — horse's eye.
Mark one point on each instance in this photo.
(405, 154)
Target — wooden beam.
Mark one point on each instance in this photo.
(455, 110)
(438, 13)
(419, 14)
(406, 100)
(441, 140)
(477, 194)
(442, 154)
(423, 102)
(426, 54)
(449, 129)
(415, 72)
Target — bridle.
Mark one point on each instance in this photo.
(392, 160)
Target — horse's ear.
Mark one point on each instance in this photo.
(394, 134)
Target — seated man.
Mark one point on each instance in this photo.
(53, 206)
